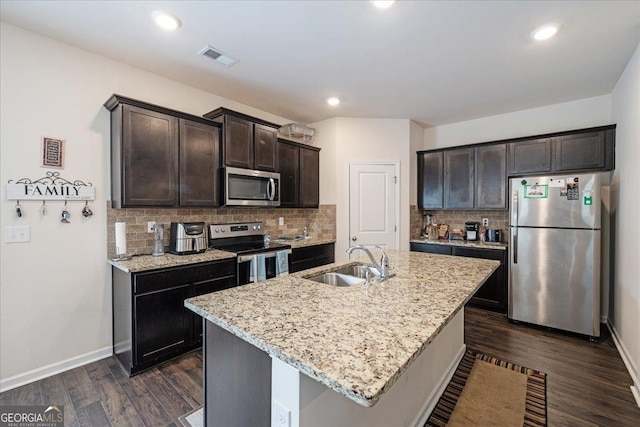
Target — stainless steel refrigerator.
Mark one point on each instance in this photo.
(554, 268)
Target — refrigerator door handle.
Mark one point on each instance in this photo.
(514, 205)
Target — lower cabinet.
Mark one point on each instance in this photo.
(150, 322)
(311, 256)
(493, 294)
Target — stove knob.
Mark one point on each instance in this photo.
(255, 228)
(217, 230)
(223, 230)
(259, 227)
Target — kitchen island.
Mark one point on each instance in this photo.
(316, 354)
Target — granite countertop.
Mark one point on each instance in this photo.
(356, 340)
(311, 241)
(147, 262)
(477, 244)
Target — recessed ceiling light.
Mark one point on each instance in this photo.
(545, 32)
(383, 4)
(165, 20)
(333, 101)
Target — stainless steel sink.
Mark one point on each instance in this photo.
(359, 270)
(337, 279)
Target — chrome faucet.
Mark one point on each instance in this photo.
(383, 267)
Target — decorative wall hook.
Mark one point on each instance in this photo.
(43, 208)
(65, 214)
(86, 212)
(18, 209)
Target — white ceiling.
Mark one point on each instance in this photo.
(433, 62)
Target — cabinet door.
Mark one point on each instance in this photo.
(207, 287)
(459, 181)
(150, 158)
(491, 177)
(530, 156)
(266, 147)
(493, 293)
(581, 151)
(199, 164)
(309, 178)
(430, 180)
(288, 166)
(163, 325)
(238, 142)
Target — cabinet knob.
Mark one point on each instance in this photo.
(354, 238)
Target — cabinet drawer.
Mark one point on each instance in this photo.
(431, 248)
(480, 253)
(209, 286)
(167, 278)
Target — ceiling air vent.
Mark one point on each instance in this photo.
(215, 54)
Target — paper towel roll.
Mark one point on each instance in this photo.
(121, 238)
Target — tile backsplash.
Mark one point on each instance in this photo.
(321, 222)
(456, 218)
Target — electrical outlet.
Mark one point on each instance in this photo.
(283, 415)
(150, 225)
(485, 222)
(17, 234)
(281, 220)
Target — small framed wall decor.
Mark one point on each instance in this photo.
(52, 152)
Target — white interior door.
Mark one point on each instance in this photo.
(373, 204)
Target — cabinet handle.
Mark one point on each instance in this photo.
(354, 238)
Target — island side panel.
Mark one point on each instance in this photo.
(237, 381)
(407, 403)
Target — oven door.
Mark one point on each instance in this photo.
(251, 269)
(246, 187)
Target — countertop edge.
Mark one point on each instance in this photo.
(499, 246)
(142, 263)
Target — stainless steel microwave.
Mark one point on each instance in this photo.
(247, 187)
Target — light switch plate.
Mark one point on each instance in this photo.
(150, 225)
(17, 234)
(281, 220)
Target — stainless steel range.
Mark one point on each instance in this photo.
(258, 258)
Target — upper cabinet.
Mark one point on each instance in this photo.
(576, 151)
(431, 180)
(476, 176)
(491, 176)
(161, 157)
(248, 142)
(299, 168)
(530, 156)
(464, 178)
(459, 179)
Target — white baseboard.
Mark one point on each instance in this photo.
(432, 400)
(54, 368)
(628, 362)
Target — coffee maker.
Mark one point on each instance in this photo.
(472, 230)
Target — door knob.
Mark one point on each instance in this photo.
(354, 238)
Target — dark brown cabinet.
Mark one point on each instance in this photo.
(431, 180)
(492, 294)
(150, 322)
(248, 142)
(299, 168)
(289, 168)
(199, 164)
(591, 150)
(148, 157)
(311, 256)
(459, 179)
(491, 177)
(530, 156)
(161, 157)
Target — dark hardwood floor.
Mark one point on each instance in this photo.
(587, 383)
(100, 394)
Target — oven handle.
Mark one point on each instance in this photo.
(271, 189)
(246, 258)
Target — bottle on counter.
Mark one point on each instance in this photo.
(483, 235)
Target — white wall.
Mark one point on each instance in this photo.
(625, 206)
(55, 291)
(415, 144)
(579, 114)
(353, 139)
